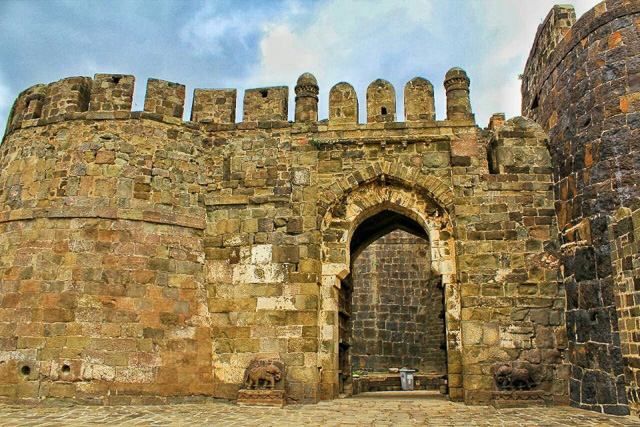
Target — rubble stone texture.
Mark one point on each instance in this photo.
(582, 84)
(214, 106)
(143, 257)
(398, 309)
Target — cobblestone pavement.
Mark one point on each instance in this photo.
(377, 409)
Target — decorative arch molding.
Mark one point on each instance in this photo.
(425, 200)
(340, 222)
(410, 177)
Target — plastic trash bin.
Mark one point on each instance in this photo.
(406, 378)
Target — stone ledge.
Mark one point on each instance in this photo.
(105, 213)
(519, 399)
(261, 397)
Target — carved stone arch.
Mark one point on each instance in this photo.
(385, 172)
(340, 222)
(362, 194)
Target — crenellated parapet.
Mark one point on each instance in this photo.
(110, 96)
(419, 100)
(68, 95)
(381, 102)
(154, 257)
(266, 104)
(165, 98)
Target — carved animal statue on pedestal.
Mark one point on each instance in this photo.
(513, 378)
(268, 374)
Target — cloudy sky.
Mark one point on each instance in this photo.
(247, 44)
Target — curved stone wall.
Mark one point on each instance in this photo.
(582, 83)
(102, 263)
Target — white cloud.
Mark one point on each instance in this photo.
(358, 42)
(509, 29)
(210, 27)
(341, 40)
(342, 35)
(224, 43)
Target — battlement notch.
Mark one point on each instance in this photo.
(381, 102)
(70, 95)
(266, 104)
(112, 92)
(214, 106)
(165, 98)
(343, 104)
(419, 103)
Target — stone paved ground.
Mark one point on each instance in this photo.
(372, 409)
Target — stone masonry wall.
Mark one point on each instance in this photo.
(585, 91)
(146, 259)
(102, 264)
(512, 303)
(398, 308)
(625, 234)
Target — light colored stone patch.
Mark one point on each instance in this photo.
(235, 240)
(182, 332)
(268, 273)
(276, 331)
(219, 271)
(135, 374)
(99, 372)
(275, 303)
(502, 273)
(228, 374)
(300, 177)
(29, 355)
(443, 266)
(471, 333)
(328, 332)
(340, 270)
(330, 280)
(245, 255)
(261, 254)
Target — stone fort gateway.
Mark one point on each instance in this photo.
(147, 259)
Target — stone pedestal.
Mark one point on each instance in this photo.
(261, 397)
(519, 399)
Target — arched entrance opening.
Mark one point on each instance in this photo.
(391, 308)
(350, 225)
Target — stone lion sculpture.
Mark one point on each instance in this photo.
(513, 378)
(268, 373)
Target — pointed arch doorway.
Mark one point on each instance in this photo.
(391, 309)
(372, 213)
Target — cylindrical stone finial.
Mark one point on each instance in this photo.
(307, 98)
(456, 83)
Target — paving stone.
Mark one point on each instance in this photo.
(369, 409)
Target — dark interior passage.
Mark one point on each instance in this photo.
(397, 307)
